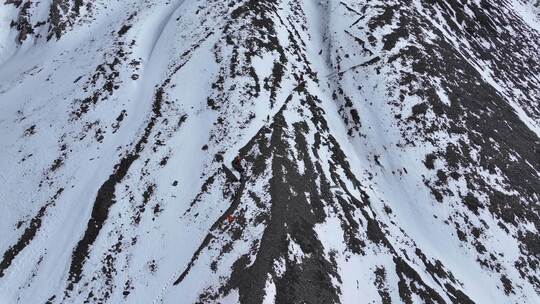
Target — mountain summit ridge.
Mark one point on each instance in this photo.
(270, 151)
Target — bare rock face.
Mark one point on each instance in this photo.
(64, 13)
(265, 151)
(34, 17)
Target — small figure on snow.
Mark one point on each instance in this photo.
(237, 164)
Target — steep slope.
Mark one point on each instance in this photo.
(270, 151)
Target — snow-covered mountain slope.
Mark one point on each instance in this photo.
(265, 151)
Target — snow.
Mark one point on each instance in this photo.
(7, 36)
(182, 49)
(529, 11)
(270, 289)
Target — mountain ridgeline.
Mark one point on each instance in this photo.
(266, 151)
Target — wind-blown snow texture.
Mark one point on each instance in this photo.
(258, 151)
